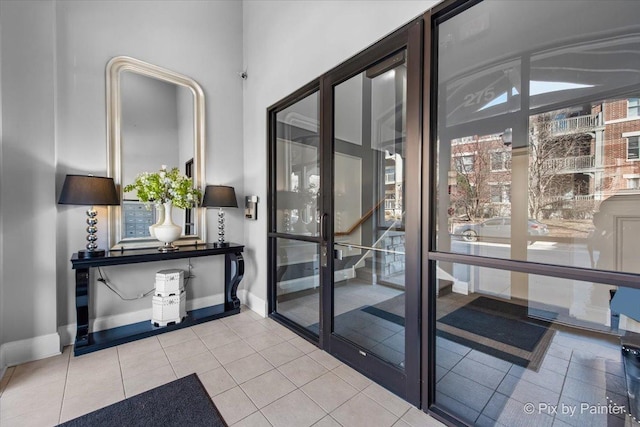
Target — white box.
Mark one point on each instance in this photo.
(169, 282)
(168, 310)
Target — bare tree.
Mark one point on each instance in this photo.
(553, 153)
(471, 161)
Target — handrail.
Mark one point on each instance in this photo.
(351, 245)
(360, 221)
(366, 254)
(373, 248)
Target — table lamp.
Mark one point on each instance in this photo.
(92, 191)
(220, 196)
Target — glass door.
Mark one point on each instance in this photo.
(369, 272)
(294, 231)
(368, 212)
(345, 209)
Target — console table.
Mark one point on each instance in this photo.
(87, 342)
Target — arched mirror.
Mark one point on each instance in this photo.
(155, 118)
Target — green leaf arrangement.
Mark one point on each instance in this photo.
(165, 186)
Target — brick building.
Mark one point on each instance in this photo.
(582, 155)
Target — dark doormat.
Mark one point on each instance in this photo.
(509, 331)
(184, 402)
(378, 312)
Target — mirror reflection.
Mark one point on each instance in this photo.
(155, 118)
(156, 129)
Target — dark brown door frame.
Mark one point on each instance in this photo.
(404, 383)
(428, 272)
(272, 231)
(417, 383)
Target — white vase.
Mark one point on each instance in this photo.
(167, 232)
(160, 219)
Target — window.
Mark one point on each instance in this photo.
(500, 160)
(500, 193)
(633, 107)
(460, 141)
(633, 148)
(390, 175)
(568, 170)
(465, 163)
(390, 202)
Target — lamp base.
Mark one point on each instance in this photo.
(221, 245)
(168, 247)
(91, 254)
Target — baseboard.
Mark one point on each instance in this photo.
(254, 303)
(108, 322)
(22, 351)
(68, 332)
(3, 365)
(460, 287)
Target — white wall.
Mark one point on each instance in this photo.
(202, 40)
(53, 57)
(156, 125)
(27, 184)
(2, 361)
(148, 126)
(286, 45)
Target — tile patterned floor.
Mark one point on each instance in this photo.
(257, 372)
(579, 367)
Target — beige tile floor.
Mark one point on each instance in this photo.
(257, 372)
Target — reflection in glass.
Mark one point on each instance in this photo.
(582, 176)
(484, 94)
(369, 279)
(506, 339)
(297, 168)
(537, 160)
(298, 283)
(156, 129)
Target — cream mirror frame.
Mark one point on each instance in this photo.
(114, 73)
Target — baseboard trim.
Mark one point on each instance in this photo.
(254, 303)
(22, 351)
(108, 322)
(3, 365)
(68, 332)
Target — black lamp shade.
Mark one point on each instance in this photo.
(88, 190)
(219, 196)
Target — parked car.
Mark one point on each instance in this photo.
(497, 228)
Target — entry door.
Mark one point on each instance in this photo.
(294, 239)
(368, 269)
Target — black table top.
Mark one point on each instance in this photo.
(131, 256)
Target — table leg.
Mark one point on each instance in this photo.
(82, 307)
(233, 273)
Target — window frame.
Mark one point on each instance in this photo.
(637, 148)
(633, 105)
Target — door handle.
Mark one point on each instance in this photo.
(323, 227)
